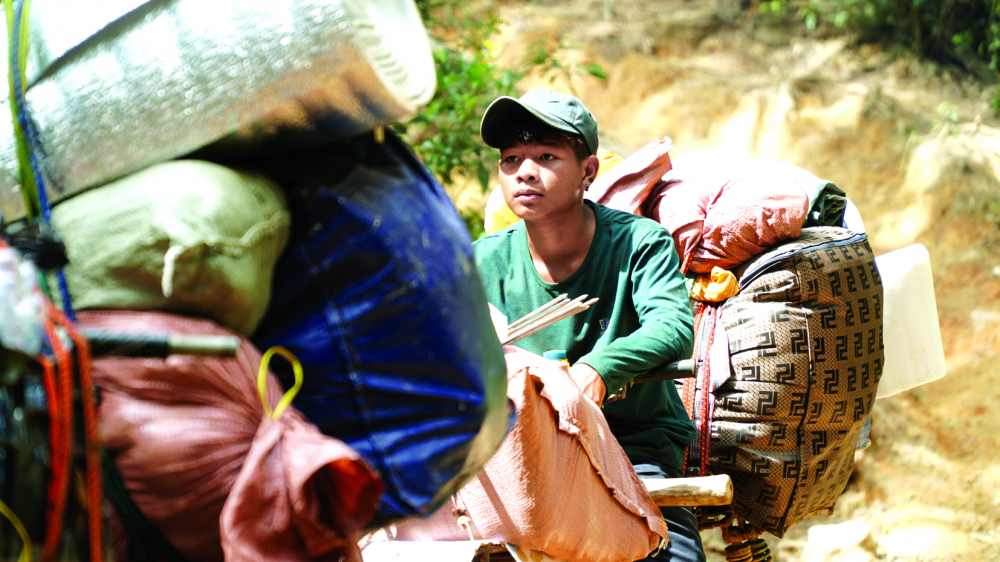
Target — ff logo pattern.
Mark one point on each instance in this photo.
(806, 353)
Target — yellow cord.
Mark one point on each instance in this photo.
(286, 400)
(9, 514)
(29, 189)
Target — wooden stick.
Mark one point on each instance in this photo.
(558, 312)
(159, 344)
(543, 319)
(528, 330)
(690, 492)
(552, 312)
(545, 307)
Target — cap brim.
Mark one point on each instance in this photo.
(504, 111)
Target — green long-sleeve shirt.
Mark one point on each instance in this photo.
(643, 320)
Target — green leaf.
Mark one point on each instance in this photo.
(811, 20)
(484, 178)
(596, 70)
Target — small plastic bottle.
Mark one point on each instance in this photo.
(556, 355)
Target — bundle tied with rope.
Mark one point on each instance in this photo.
(257, 493)
(196, 464)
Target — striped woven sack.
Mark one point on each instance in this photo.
(780, 404)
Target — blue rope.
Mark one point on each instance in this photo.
(23, 118)
(67, 302)
(34, 145)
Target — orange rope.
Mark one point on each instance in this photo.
(92, 444)
(62, 449)
(59, 402)
(58, 396)
(54, 510)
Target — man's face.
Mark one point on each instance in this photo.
(539, 180)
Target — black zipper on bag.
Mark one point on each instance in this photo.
(758, 269)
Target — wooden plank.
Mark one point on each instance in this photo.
(702, 490)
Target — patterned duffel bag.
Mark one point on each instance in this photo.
(788, 372)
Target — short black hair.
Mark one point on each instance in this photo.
(529, 129)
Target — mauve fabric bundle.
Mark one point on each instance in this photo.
(203, 462)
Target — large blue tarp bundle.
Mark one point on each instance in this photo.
(378, 297)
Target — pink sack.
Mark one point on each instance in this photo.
(192, 443)
(634, 181)
(723, 209)
(560, 484)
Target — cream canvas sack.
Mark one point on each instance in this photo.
(183, 236)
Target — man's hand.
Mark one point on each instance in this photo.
(590, 382)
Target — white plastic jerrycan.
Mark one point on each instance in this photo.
(914, 354)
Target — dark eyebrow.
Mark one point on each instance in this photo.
(545, 143)
(553, 143)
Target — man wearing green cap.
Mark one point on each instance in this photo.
(564, 244)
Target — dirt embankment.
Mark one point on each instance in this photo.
(915, 146)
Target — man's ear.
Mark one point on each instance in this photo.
(590, 167)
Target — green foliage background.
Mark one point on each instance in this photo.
(964, 33)
(445, 133)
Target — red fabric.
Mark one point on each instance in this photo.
(560, 483)
(191, 441)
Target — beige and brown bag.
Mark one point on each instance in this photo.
(804, 359)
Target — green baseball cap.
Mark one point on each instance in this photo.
(559, 111)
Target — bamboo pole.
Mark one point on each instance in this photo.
(690, 492)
